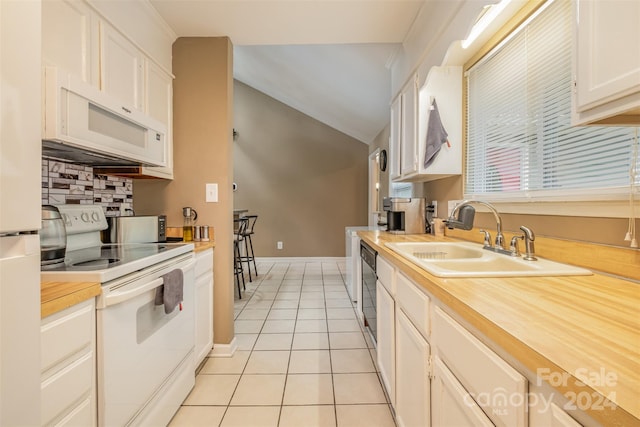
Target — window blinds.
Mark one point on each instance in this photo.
(520, 143)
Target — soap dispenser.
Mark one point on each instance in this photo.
(190, 215)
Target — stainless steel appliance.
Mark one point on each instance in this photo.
(145, 366)
(369, 277)
(136, 229)
(405, 215)
(53, 236)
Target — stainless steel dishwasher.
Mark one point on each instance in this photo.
(369, 278)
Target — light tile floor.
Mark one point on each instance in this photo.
(303, 360)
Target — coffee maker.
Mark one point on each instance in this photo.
(405, 215)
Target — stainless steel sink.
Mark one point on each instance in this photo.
(453, 259)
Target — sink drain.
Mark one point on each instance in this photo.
(430, 255)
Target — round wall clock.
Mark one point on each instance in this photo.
(383, 160)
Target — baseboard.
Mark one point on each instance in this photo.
(224, 350)
(300, 259)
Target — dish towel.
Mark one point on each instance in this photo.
(436, 135)
(170, 294)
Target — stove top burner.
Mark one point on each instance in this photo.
(106, 262)
(96, 263)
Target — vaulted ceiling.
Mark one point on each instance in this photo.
(326, 58)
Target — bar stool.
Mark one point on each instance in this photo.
(248, 245)
(239, 229)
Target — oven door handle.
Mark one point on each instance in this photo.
(120, 296)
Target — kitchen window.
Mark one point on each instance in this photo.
(520, 142)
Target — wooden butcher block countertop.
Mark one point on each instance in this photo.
(578, 325)
(56, 296)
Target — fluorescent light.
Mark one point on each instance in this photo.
(483, 22)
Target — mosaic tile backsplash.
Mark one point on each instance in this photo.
(67, 183)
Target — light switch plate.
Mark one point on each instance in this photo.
(452, 204)
(211, 193)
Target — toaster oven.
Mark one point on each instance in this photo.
(136, 229)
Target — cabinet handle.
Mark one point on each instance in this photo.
(126, 110)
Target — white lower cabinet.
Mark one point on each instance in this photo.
(204, 305)
(494, 385)
(559, 418)
(68, 366)
(413, 397)
(438, 373)
(386, 340)
(452, 404)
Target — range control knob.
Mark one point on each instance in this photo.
(84, 217)
(95, 216)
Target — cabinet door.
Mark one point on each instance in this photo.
(204, 316)
(159, 103)
(386, 339)
(68, 372)
(122, 68)
(395, 138)
(413, 399)
(203, 305)
(409, 157)
(70, 38)
(608, 60)
(452, 405)
(559, 418)
(501, 390)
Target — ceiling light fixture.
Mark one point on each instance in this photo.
(489, 13)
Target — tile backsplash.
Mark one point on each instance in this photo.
(67, 183)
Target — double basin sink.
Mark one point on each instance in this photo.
(463, 259)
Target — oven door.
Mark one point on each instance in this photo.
(139, 346)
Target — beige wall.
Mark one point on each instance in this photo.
(305, 180)
(203, 122)
(382, 142)
(608, 231)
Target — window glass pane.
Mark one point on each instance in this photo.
(519, 135)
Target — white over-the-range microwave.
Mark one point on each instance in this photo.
(83, 124)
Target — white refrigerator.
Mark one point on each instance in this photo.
(20, 211)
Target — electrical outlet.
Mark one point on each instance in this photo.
(211, 193)
(279, 245)
(452, 204)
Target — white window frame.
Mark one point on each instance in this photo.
(592, 202)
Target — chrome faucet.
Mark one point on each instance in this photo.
(528, 238)
(499, 242)
(464, 221)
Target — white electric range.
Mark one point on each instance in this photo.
(145, 363)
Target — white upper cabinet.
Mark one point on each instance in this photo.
(409, 146)
(395, 138)
(159, 105)
(97, 46)
(444, 85)
(71, 39)
(121, 67)
(412, 113)
(607, 62)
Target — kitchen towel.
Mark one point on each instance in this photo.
(170, 294)
(436, 135)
